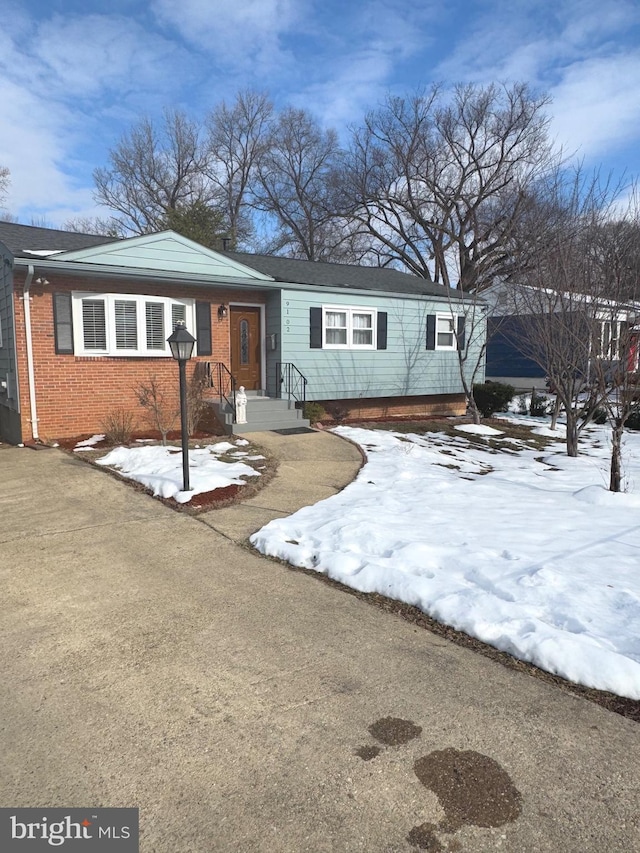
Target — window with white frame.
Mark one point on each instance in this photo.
(122, 324)
(446, 331)
(610, 334)
(348, 328)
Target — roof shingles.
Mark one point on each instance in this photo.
(24, 241)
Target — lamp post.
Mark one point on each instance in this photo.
(181, 343)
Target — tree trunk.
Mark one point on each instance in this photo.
(555, 413)
(615, 478)
(572, 434)
(473, 409)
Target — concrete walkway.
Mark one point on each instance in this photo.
(312, 466)
(149, 661)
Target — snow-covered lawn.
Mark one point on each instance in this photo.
(160, 468)
(524, 549)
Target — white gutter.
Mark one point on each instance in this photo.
(30, 372)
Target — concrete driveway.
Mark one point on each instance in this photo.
(149, 661)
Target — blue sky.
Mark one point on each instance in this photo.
(75, 74)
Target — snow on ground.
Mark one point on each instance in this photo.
(524, 549)
(478, 429)
(88, 443)
(160, 468)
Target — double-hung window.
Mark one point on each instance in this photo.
(127, 325)
(610, 334)
(348, 328)
(446, 332)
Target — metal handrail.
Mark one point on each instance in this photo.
(291, 382)
(224, 384)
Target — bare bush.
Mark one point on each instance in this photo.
(196, 404)
(160, 409)
(118, 426)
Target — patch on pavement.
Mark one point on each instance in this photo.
(394, 731)
(472, 788)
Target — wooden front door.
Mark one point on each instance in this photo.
(245, 346)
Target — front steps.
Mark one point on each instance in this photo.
(263, 413)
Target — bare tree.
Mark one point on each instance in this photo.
(155, 170)
(95, 225)
(5, 179)
(617, 334)
(439, 183)
(297, 181)
(564, 289)
(239, 137)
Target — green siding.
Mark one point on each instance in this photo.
(273, 327)
(9, 403)
(406, 367)
(168, 252)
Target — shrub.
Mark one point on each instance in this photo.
(633, 421)
(196, 403)
(161, 414)
(118, 426)
(338, 411)
(313, 412)
(492, 397)
(539, 405)
(599, 416)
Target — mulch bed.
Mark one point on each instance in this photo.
(202, 502)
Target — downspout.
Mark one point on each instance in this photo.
(30, 372)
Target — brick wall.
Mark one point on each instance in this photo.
(74, 394)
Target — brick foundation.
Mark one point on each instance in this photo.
(426, 406)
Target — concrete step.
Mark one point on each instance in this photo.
(242, 429)
(263, 413)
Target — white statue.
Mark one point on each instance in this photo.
(241, 406)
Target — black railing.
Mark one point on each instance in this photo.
(223, 384)
(291, 383)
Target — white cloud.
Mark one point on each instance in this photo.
(66, 84)
(89, 55)
(596, 106)
(34, 141)
(579, 51)
(360, 56)
(242, 36)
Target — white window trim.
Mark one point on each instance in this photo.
(612, 353)
(140, 299)
(350, 310)
(454, 345)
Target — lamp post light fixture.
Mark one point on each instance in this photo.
(181, 343)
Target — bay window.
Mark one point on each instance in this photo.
(127, 325)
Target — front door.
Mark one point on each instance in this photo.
(245, 346)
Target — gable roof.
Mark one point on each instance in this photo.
(165, 251)
(383, 279)
(27, 241)
(168, 253)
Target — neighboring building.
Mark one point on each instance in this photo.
(98, 312)
(605, 327)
